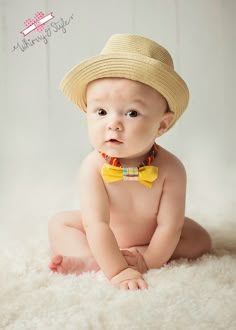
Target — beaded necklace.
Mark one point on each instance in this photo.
(115, 161)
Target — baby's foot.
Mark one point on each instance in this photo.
(72, 265)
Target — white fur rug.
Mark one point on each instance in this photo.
(185, 294)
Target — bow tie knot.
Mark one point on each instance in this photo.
(146, 175)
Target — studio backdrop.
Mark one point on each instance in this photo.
(44, 136)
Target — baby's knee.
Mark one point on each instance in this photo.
(206, 242)
(203, 243)
(65, 218)
(56, 220)
(58, 217)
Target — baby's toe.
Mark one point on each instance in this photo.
(57, 260)
(55, 263)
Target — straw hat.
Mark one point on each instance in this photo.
(132, 57)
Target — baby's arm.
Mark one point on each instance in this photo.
(101, 240)
(170, 218)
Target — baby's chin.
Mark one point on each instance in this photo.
(121, 150)
(113, 149)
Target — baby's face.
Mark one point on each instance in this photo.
(124, 116)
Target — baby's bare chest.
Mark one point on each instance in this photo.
(133, 212)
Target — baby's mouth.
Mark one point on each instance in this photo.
(114, 141)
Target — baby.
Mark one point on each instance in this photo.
(132, 191)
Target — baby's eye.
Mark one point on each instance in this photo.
(101, 112)
(132, 113)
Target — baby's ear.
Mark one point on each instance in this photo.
(166, 121)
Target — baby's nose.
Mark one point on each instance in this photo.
(115, 124)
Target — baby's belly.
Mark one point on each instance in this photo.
(130, 233)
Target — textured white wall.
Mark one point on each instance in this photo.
(43, 135)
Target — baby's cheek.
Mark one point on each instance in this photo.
(95, 139)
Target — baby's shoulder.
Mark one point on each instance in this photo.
(169, 163)
(91, 163)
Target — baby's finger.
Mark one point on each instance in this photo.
(127, 253)
(124, 286)
(133, 285)
(142, 284)
(130, 258)
(131, 261)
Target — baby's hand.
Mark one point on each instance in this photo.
(129, 279)
(135, 260)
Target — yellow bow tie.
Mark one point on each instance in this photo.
(145, 174)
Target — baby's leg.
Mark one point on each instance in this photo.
(194, 241)
(69, 246)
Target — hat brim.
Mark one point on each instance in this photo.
(140, 68)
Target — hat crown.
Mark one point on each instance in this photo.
(127, 43)
(130, 57)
